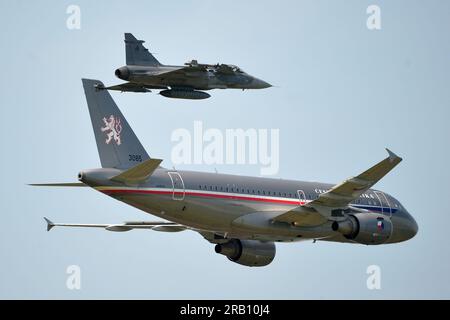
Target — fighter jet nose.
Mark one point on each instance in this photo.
(122, 73)
(265, 85)
(260, 84)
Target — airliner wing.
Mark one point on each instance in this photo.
(342, 194)
(127, 226)
(329, 204)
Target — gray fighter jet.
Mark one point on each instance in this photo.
(143, 73)
(242, 216)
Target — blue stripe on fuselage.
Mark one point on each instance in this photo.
(375, 208)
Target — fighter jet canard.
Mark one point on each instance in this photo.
(242, 216)
(144, 73)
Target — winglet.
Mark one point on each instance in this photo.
(392, 156)
(50, 224)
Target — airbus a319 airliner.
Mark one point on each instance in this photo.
(242, 216)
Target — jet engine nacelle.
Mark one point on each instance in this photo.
(365, 228)
(251, 253)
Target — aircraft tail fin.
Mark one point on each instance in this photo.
(117, 145)
(137, 54)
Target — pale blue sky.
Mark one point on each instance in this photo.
(344, 93)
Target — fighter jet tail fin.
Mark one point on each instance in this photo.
(137, 54)
(117, 145)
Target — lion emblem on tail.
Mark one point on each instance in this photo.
(113, 128)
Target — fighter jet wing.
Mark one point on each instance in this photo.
(134, 87)
(167, 74)
(127, 226)
(164, 71)
(340, 196)
(182, 72)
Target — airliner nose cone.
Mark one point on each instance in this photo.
(405, 228)
(413, 228)
(409, 228)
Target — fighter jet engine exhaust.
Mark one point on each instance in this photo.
(122, 73)
(185, 94)
(365, 228)
(251, 253)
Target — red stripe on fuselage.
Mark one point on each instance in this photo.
(206, 195)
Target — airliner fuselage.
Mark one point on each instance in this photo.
(221, 203)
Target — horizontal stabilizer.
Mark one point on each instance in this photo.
(138, 173)
(68, 184)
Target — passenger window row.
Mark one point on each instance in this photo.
(253, 191)
(281, 194)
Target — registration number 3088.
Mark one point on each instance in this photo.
(135, 157)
